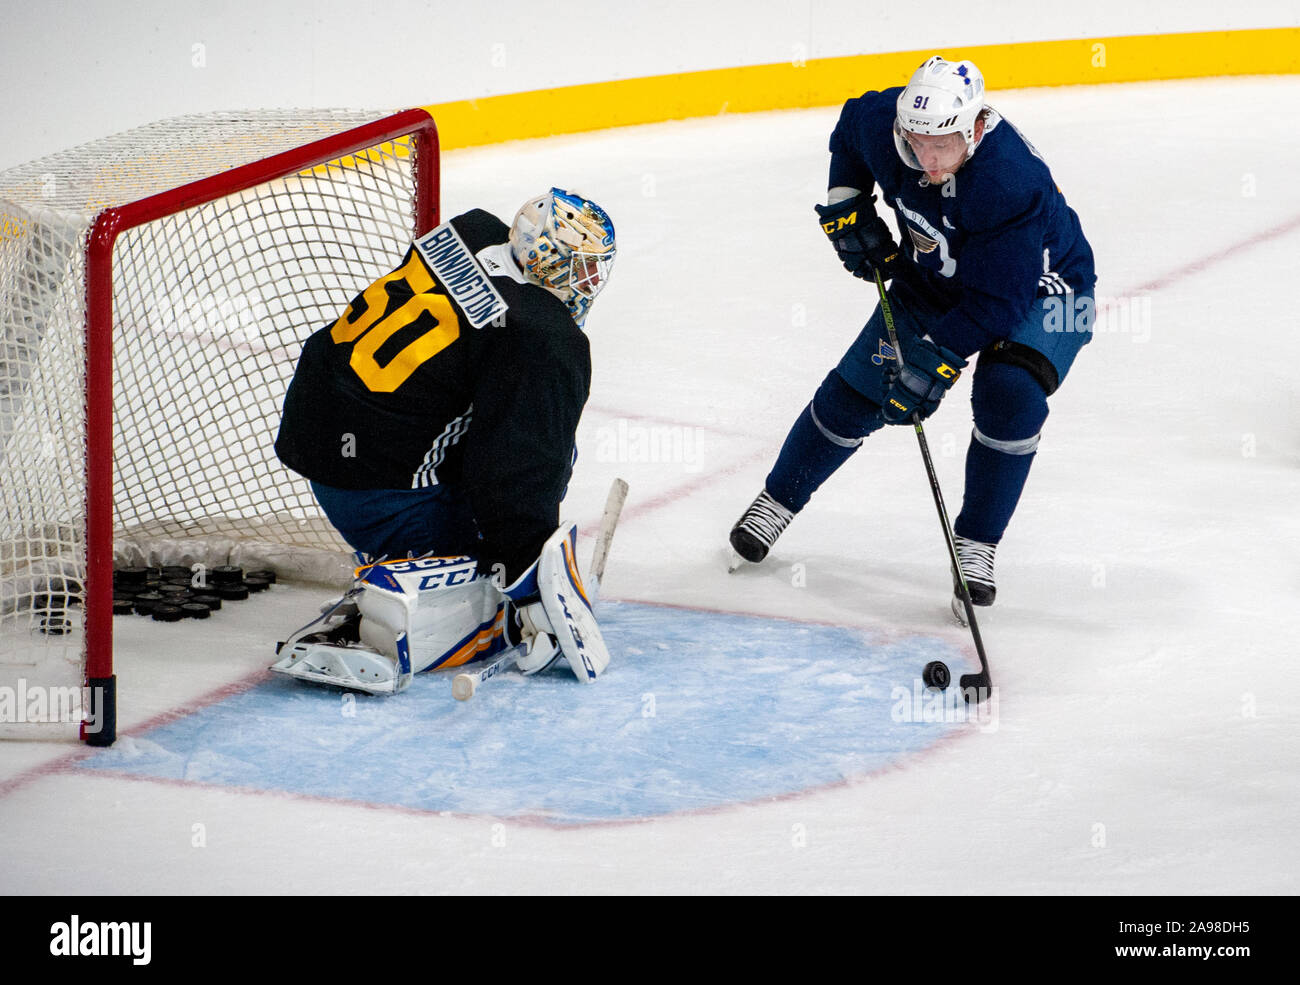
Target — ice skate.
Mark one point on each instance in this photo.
(976, 559)
(757, 530)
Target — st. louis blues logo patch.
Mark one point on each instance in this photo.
(886, 351)
(924, 243)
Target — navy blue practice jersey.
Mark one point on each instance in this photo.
(979, 249)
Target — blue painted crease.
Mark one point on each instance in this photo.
(697, 710)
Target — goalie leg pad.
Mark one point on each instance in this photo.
(415, 615)
(447, 612)
(567, 606)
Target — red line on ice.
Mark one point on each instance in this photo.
(543, 821)
(1205, 262)
(67, 763)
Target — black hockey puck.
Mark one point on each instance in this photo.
(226, 574)
(231, 592)
(194, 610)
(212, 602)
(55, 624)
(256, 584)
(123, 607)
(167, 613)
(177, 572)
(130, 577)
(264, 573)
(936, 675)
(145, 602)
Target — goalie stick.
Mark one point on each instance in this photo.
(466, 683)
(605, 536)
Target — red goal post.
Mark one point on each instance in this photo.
(156, 287)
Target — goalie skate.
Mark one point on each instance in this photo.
(337, 623)
(353, 667)
(328, 651)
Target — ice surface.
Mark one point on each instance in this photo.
(703, 710)
(1145, 741)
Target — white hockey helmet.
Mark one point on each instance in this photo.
(564, 243)
(941, 97)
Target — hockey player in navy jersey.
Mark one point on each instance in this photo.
(436, 419)
(992, 263)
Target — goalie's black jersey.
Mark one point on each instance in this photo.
(447, 371)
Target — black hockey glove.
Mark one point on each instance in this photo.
(918, 387)
(859, 236)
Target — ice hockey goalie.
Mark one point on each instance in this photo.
(435, 420)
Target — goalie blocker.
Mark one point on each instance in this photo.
(425, 613)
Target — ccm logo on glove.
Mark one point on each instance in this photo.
(835, 225)
(863, 247)
(916, 388)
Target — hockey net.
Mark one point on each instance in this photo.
(155, 291)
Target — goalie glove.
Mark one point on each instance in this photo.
(917, 388)
(860, 237)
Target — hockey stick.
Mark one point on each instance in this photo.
(605, 536)
(466, 683)
(980, 683)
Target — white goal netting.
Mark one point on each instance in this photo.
(210, 306)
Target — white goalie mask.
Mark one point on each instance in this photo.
(564, 243)
(942, 97)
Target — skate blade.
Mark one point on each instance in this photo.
(959, 612)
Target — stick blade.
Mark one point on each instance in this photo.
(976, 687)
(608, 522)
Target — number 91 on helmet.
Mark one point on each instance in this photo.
(564, 243)
(942, 99)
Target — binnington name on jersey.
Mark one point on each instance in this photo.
(455, 267)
